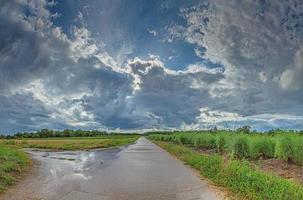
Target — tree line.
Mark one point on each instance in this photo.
(46, 133)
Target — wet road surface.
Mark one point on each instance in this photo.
(141, 171)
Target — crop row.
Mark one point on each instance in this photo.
(244, 181)
(288, 147)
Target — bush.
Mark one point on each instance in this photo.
(205, 141)
(220, 143)
(263, 148)
(290, 149)
(241, 147)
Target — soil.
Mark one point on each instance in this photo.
(282, 168)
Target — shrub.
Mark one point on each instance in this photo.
(205, 141)
(241, 147)
(263, 148)
(181, 140)
(290, 148)
(220, 143)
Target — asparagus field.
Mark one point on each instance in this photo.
(230, 163)
(284, 146)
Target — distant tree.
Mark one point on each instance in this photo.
(214, 129)
(244, 129)
(19, 135)
(66, 133)
(45, 133)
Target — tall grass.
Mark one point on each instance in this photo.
(243, 180)
(288, 147)
(12, 163)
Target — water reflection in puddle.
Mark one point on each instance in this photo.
(72, 166)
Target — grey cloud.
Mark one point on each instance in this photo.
(170, 95)
(291, 78)
(258, 43)
(51, 80)
(56, 74)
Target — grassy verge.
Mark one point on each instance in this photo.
(13, 163)
(70, 143)
(236, 175)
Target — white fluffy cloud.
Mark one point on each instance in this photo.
(259, 45)
(50, 79)
(60, 73)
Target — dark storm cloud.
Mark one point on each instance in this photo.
(53, 74)
(171, 96)
(50, 79)
(260, 45)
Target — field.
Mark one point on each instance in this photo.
(230, 162)
(13, 163)
(71, 143)
(287, 147)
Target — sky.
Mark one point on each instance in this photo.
(148, 65)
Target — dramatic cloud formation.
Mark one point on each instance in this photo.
(74, 73)
(258, 43)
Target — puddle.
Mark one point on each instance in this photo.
(72, 166)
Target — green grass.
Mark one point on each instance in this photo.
(238, 176)
(69, 143)
(288, 146)
(12, 165)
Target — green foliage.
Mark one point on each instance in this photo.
(287, 146)
(244, 129)
(290, 149)
(241, 147)
(263, 147)
(46, 133)
(220, 143)
(254, 184)
(12, 163)
(205, 141)
(243, 180)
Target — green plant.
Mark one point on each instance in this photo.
(263, 148)
(243, 180)
(12, 163)
(254, 184)
(285, 145)
(290, 148)
(220, 143)
(241, 147)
